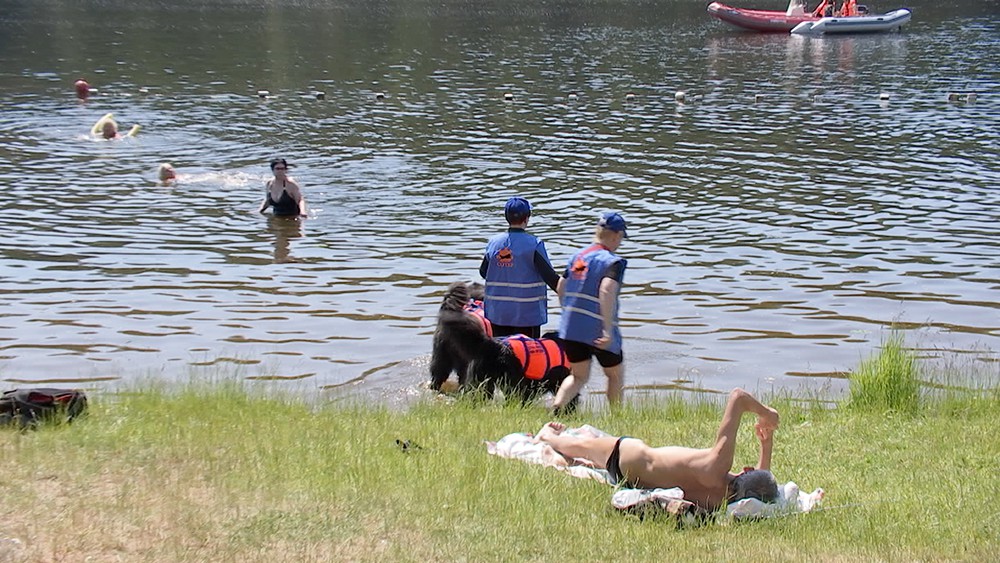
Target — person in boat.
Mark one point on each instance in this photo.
(703, 474)
(282, 192)
(516, 268)
(796, 8)
(824, 9)
(588, 291)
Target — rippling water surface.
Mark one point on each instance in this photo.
(808, 194)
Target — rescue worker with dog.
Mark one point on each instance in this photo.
(588, 291)
(516, 268)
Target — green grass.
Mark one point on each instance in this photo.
(218, 473)
(888, 381)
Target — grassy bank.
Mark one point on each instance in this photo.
(218, 474)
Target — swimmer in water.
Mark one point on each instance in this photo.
(110, 130)
(282, 192)
(82, 89)
(107, 128)
(167, 173)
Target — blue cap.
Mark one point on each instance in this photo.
(516, 209)
(613, 221)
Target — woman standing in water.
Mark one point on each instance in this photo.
(283, 193)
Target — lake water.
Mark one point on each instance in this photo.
(809, 193)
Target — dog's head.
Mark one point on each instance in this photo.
(477, 291)
(455, 297)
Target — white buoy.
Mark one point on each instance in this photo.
(953, 97)
(970, 97)
(629, 97)
(572, 95)
(320, 95)
(680, 96)
(379, 96)
(263, 94)
(758, 98)
(508, 96)
(883, 96)
(143, 90)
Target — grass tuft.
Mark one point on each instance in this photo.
(887, 381)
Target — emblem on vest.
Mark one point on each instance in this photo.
(579, 269)
(505, 258)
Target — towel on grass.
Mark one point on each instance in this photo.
(521, 445)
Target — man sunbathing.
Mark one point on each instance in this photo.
(703, 474)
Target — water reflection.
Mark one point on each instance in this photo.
(284, 229)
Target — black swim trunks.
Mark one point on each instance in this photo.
(613, 467)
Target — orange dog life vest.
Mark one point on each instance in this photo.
(537, 356)
(475, 308)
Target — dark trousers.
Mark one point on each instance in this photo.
(529, 331)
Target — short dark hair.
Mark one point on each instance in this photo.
(514, 219)
(758, 484)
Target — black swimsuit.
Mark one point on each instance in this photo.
(285, 204)
(613, 467)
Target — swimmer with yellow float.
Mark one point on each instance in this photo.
(107, 127)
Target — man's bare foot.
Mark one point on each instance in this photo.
(769, 420)
(550, 429)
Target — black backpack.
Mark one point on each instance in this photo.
(26, 408)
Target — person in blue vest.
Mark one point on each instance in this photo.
(517, 269)
(588, 291)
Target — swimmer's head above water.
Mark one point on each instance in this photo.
(109, 129)
(167, 172)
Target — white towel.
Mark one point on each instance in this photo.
(523, 446)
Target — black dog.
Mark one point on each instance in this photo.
(519, 366)
(456, 338)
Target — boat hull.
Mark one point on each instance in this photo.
(771, 21)
(855, 24)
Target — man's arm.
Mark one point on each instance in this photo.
(608, 296)
(766, 436)
(484, 266)
(544, 269)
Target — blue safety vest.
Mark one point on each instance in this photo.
(515, 291)
(581, 317)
